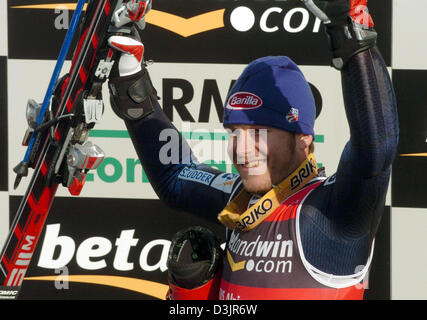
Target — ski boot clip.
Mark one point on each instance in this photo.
(32, 114)
(81, 159)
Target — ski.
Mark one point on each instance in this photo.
(21, 169)
(58, 149)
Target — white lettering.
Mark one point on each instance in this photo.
(250, 250)
(93, 248)
(264, 18)
(284, 264)
(304, 22)
(16, 277)
(267, 268)
(286, 249)
(143, 259)
(29, 242)
(264, 248)
(257, 269)
(244, 19)
(124, 244)
(51, 241)
(57, 251)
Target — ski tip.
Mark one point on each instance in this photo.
(21, 170)
(17, 181)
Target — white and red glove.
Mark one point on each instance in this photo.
(132, 54)
(130, 86)
(129, 14)
(348, 24)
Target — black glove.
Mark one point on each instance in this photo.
(348, 25)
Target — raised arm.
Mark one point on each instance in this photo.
(345, 225)
(173, 171)
(364, 170)
(182, 183)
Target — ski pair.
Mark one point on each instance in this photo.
(56, 140)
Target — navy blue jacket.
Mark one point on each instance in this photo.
(341, 217)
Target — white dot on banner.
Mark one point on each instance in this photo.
(250, 264)
(242, 19)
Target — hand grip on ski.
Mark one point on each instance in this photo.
(132, 11)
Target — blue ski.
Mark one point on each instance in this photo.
(22, 168)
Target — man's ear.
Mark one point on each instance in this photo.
(304, 141)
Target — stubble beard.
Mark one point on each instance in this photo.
(261, 184)
(257, 185)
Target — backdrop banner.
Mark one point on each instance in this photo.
(112, 241)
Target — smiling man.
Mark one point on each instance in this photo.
(292, 232)
(275, 99)
(264, 156)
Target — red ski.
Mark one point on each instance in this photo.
(61, 153)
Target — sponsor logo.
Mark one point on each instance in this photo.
(57, 251)
(8, 294)
(330, 180)
(255, 214)
(244, 101)
(298, 177)
(129, 170)
(186, 107)
(226, 23)
(265, 256)
(95, 253)
(241, 19)
(244, 19)
(196, 176)
(185, 27)
(292, 115)
(22, 262)
(224, 182)
(227, 295)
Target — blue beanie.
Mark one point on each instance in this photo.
(272, 91)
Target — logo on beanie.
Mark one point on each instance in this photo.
(292, 115)
(243, 101)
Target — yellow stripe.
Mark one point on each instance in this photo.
(235, 266)
(154, 289)
(187, 27)
(51, 6)
(182, 26)
(414, 154)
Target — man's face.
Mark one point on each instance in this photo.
(263, 156)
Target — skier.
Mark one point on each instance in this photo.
(293, 233)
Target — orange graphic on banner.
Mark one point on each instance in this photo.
(176, 24)
(154, 289)
(414, 154)
(187, 27)
(52, 6)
